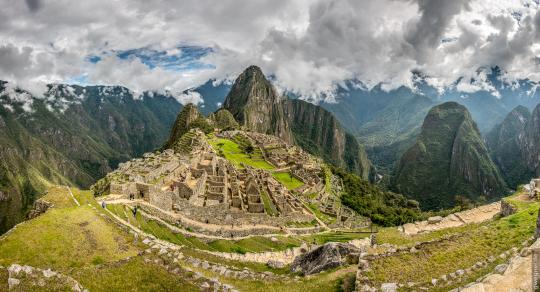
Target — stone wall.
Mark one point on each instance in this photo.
(476, 215)
(162, 199)
(507, 208)
(40, 206)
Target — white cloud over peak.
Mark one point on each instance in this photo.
(309, 47)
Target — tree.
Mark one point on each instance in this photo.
(249, 149)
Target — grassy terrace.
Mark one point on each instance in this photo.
(252, 244)
(234, 154)
(81, 243)
(474, 243)
(327, 219)
(287, 180)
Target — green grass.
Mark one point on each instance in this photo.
(327, 219)
(337, 236)
(329, 281)
(327, 179)
(269, 206)
(287, 180)
(476, 242)
(133, 275)
(59, 197)
(235, 155)
(64, 239)
(256, 244)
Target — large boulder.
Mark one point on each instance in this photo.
(328, 256)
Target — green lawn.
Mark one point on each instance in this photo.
(269, 206)
(234, 154)
(288, 180)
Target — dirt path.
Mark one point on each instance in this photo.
(72, 196)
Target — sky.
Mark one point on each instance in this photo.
(308, 46)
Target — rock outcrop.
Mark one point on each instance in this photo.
(40, 206)
(448, 159)
(256, 105)
(328, 256)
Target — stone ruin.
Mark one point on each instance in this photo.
(206, 187)
(533, 188)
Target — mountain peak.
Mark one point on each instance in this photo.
(256, 105)
(448, 159)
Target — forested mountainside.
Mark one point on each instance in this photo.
(505, 143)
(448, 161)
(73, 135)
(515, 145)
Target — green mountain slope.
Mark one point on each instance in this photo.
(223, 119)
(74, 135)
(448, 159)
(187, 119)
(317, 131)
(386, 123)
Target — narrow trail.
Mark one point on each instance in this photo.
(73, 197)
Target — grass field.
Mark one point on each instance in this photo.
(287, 180)
(234, 154)
(81, 243)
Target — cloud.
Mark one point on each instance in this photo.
(33, 5)
(308, 46)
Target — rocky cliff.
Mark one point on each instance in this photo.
(507, 143)
(529, 142)
(256, 106)
(449, 158)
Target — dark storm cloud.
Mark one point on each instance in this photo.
(33, 5)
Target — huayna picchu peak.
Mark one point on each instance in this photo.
(257, 146)
(256, 105)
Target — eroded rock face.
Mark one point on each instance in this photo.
(328, 256)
